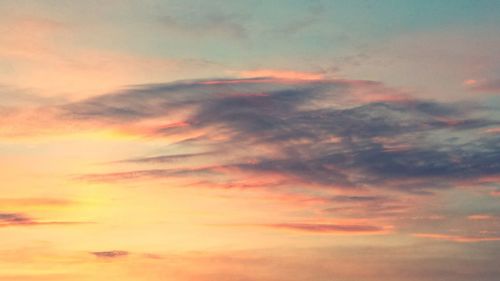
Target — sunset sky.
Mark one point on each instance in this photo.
(264, 140)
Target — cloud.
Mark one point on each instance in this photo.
(150, 174)
(317, 145)
(206, 25)
(492, 130)
(484, 85)
(358, 198)
(13, 97)
(326, 228)
(7, 202)
(420, 261)
(13, 205)
(458, 238)
(110, 254)
(165, 158)
(311, 17)
(320, 132)
(43, 56)
(19, 219)
(360, 205)
(281, 74)
(480, 217)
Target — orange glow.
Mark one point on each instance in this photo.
(281, 74)
(249, 140)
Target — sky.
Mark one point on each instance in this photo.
(249, 140)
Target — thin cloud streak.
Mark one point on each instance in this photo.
(325, 228)
(458, 238)
(17, 219)
(110, 254)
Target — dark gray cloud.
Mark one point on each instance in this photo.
(19, 219)
(110, 254)
(14, 218)
(149, 101)
(319, 132)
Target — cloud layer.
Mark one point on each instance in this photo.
(310, 132)
(320, 142)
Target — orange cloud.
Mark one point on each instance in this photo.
(457, 238)
(479, 217)
(332, 228)
(483, 85)
(34, 203)
(470, 82)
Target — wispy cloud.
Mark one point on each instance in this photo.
(458, 238)
(281, 74)
(311, 137)
(484, 85)
(320, 132)
(165, 158)
(8, 202)
(209, 24)
(327, 228)
(110, 254)
(43, 56)
(480, 217)
(18, 219)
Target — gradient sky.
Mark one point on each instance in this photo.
(250, 140)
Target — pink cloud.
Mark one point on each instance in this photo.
(495, 193)
(281, 74)
(492, 131)
(483, 85)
